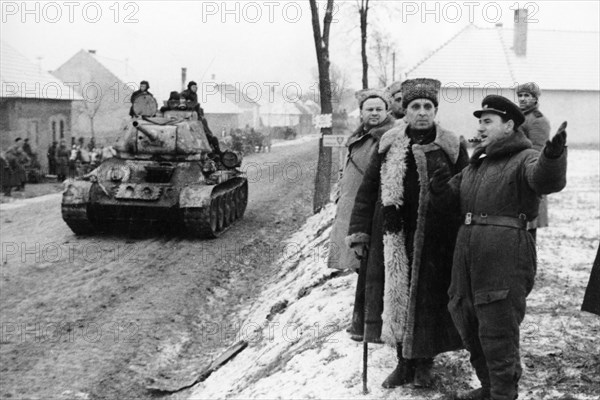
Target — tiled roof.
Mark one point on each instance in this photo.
(556, 60)
(21, 78)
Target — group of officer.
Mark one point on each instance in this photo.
(444, 242)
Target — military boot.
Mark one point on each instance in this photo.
(423, 372)
(404, 372)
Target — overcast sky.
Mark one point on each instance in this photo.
(265, 42)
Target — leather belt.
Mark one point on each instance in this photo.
(484, 219)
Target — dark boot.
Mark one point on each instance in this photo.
(403, 374)
(423, 372)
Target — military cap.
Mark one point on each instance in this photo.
(420, 88)
(394, 88)
(145, 83)
(364, 94)
(191, 83)
(531, 88)
(501, 106)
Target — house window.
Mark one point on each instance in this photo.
(53, 131)
(62, 129)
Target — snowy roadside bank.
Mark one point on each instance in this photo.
(298, 347)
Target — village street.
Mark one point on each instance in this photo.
(103, 317)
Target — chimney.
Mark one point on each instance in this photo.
(92, 51)
(520, 40)
(183, 77)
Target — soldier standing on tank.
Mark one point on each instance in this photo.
(144, 86)
(190, 95)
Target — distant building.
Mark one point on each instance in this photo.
(106, 90)
(286, 113)
(33, 104)
(250, 108)
(220, 112)
(481, 61)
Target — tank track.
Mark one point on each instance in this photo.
(76, 217)
(227, 205)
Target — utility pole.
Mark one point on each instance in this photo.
(394, 66)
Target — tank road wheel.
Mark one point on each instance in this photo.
(241, 200)
(220, 212)
(214, 216)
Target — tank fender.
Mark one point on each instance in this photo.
(195, 196)
(76, 192)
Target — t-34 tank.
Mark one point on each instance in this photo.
(168, 170)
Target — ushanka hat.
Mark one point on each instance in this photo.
(530, 87)
(364, 94)
(501, 106)
(394, 88)
(420, 88)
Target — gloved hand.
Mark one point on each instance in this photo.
(360, 250)
(555, 148)
(439, 180)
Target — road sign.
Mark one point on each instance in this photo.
(334, 140)
(322, 120)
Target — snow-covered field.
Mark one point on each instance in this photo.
(299, 348)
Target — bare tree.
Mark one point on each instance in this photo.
(383, 48)
(323, 175)
(363, 9)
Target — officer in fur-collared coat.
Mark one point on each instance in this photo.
(374, 105)
(537, 129)
(407, 292)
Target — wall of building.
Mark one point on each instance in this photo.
(40, 120)
(104, 94)
(580, 109)
(216, 122)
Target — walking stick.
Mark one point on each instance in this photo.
(363, 262)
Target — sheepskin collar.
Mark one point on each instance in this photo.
(448, 141)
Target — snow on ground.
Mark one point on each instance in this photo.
(298, 347)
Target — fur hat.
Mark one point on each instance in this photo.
(503, 107)
(145, 83)
(420, 88)
(530, 87)
(394, 88)
(364, 94)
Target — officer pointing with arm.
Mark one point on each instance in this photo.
(494, 262)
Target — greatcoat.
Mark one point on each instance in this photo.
(537, 129)
(406, 294)
(361, 146)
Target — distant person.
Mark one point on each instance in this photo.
(6, 178)
(17, 160)
(190, 95)
(62, 160)
(144, 86)
(537, 129)
(51, 155)
(173, 103)
(395, 92)
(27, 147)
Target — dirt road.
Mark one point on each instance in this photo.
(105, 317)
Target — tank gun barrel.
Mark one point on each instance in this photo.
(153, 137)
